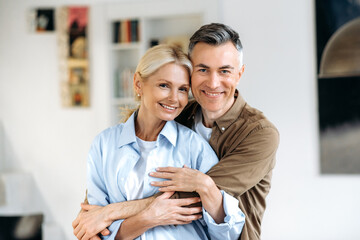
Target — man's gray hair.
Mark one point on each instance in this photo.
(216, 34)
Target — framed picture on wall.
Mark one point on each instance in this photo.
(42, 20)
(73, 56)
(338, 80)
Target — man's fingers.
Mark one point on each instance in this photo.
(187, 201)
(191, 211)
(189, 218)
(166, 195)
(105, 232)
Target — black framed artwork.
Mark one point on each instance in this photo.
(338, 81)
(42, 20)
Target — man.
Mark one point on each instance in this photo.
(243, 139)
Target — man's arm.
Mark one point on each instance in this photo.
(248, 163)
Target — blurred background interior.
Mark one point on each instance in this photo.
(59, 87)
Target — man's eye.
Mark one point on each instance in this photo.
(202, 70)
(225, 71)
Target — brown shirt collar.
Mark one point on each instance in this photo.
(228, 118)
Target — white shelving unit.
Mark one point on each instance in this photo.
(160, 21)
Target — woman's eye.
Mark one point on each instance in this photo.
(163, 85)
(183, 89)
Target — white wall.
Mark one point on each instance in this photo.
(41, 137)
(280, 79)
(52, 142)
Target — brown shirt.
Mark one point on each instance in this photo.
(246, 143)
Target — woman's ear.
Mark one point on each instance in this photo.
(137, 83)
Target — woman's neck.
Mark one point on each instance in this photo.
(148, 127)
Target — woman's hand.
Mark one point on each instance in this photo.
(91, 220)
(165, 211)
(189, 180)
(180, 179)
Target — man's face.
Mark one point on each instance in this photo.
(215, 77)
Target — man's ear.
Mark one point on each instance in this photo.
(241, 71)
(137, 83)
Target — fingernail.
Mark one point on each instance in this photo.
(151, 173)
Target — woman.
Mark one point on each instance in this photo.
(122, 157)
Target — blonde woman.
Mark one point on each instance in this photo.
(122, 157)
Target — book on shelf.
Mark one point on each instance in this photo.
(126, 31)
(123, 83)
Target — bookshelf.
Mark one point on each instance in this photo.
(135, 27)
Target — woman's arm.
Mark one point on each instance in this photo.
(162, 211)
(94, 219)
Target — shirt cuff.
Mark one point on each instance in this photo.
(113, 228)
(233, 215)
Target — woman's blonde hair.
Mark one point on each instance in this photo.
(153, 60)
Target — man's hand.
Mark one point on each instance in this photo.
(90, 221)
(180, 179)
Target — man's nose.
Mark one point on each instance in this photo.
(214, 81)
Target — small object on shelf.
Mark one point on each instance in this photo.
(154, 42)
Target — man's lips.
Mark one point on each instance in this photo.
(212, 94)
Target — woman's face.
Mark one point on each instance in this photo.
(165, 93)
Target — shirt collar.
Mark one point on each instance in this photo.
(128, 132)
(228, 118)
(128, 135)
(170, 132)
(232, 114)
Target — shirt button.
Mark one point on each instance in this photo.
(222, 129)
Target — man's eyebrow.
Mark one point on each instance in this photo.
(226, 67)
(202, 65)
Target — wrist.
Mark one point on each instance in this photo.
(147, 219)
(110, 213)
(205, 184)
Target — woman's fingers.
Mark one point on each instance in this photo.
(167, 169)
(161, 183)
(87, 207)
(105, 232)
(164, 175)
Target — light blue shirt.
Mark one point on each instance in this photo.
(115, 152)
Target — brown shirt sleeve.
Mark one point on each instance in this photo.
(246, 165)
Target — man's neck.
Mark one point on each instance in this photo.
(210, 117)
